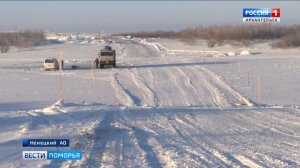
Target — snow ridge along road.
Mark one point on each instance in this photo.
(154, 110)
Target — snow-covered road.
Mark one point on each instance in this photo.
(154, 110)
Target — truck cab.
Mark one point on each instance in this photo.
(107, 56)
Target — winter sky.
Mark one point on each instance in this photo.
(124, 16)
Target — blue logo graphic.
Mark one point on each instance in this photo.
(257, 12)
(52, 155)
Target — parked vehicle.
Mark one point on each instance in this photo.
(107, 56)
(51, 64)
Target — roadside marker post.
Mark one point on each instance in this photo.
(60, 88)
(248, 76)
(239, 68)
(258, 89)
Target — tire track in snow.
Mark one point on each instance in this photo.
(243, 100)
(99, 137)
(185, 153)
(216, 94)
(222, 153)
(122, 93)
(174, 81)
(188, 80)
(218, 100)
(106, 147)
(127, 145)
(149, 96)
(156, 82)
(274, 124)
(204, 84)
(255, 155)
(261, 157)
(141, 137)
(209, 155)
(227, 158)
(291, 116)
(189, 83)
(88, 133)
(153, 84)
(157, 153)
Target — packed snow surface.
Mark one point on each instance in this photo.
(165, 105)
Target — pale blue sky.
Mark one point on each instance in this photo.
(124, 16)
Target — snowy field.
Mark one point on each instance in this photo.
(165, 105)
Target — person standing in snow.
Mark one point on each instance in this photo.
(97, 63)
(62, 64)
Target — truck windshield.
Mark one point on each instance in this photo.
(107, 53)
(48, 61)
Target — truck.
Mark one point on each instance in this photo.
(51, 64)
(107, 56)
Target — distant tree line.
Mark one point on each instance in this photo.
(21, 39)
(287, 36)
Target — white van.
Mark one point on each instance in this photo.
(51, 64)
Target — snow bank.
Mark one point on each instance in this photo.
(231, 54)
(70, 38)
(244, 52)
(157, 46)
(51, 110)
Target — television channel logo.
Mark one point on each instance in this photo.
(261, 15)
(52, 155)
